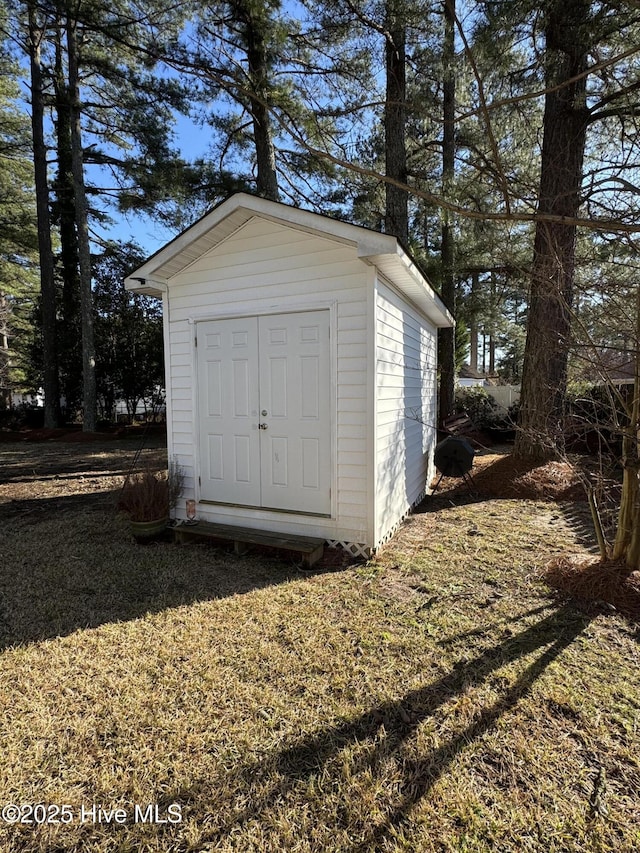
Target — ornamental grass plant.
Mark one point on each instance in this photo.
(145, 496)
(149, 495)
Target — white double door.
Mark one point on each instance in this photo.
(265, 411)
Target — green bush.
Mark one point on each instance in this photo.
(598, 405)
(477, 404)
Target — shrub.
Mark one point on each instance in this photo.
(27, 415)
(594, 417)
(477, 404)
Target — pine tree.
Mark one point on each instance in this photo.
(36, 33)
(568, 40)
(92, 67)
(89, 410)
(446, 337)
(234, 51)
(18, 233)
(395, 121)
(580, 93)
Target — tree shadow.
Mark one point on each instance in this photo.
(477, 633)
(30, 463)
(389, 727)
(455, 497)
(578, 518)
(70, 476)
(78, 567)
(33, 510)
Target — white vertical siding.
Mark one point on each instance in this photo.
(263, 268)
(404, 409)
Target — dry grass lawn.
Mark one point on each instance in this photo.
(438, 698)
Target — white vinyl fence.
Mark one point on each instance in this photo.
(504, 395)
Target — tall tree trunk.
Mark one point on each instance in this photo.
(5, 358)
(492, 329)
(473, 322)
(258, 62)
(64, 214)
(82, 231)
(47, 279)
(446, 337)
(565, 123)
(395, 119)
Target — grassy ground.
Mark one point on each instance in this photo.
(438, 698)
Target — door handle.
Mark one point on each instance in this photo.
(263, 426)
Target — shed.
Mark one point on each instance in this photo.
(300, 360)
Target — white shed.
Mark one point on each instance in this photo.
(300, 371)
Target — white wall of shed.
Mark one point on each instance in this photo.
(405, 409)
(267, 268)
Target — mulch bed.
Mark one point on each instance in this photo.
(506, 477)
(498, 475)
(594, 581)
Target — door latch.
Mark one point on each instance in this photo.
(263, 426)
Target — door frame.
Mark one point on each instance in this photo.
(292, 307)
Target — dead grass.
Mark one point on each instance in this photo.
(439, 698)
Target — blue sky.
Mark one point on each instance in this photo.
(192, 141)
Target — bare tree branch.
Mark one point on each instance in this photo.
(539, 93)
(502, 179)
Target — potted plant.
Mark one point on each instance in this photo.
(148, 497)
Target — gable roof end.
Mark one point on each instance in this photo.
(381, 250)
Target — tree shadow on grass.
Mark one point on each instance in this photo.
(29, 464)
(578, 518)
(389, 729)
(70, 562)
(32, 510)
(478, 633)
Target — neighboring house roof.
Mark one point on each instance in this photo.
(610, 365)
(468, 372)
(382, 250)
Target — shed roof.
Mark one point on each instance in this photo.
(382, 250)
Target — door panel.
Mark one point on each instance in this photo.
(295, 458)
(228, 386)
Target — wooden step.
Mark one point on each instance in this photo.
(309, 548)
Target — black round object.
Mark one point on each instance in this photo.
(454, 456)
